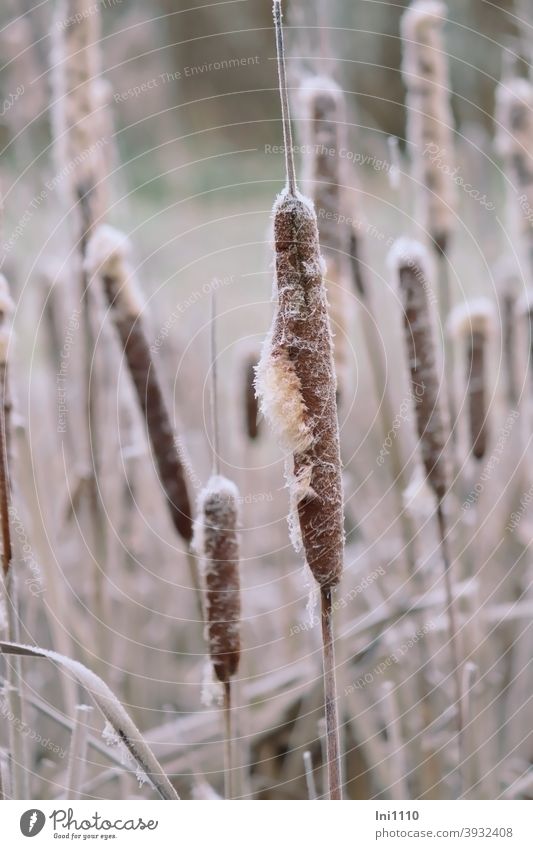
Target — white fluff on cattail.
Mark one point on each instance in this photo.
(108, 255)
(412, 252)
(281, 402)
(429, 115)
(477, 315)
(225, 491)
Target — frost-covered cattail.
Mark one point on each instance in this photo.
(409, 261)
(216, 541)
(410, 265)
(507, 287)
(108, 257)
(514, 120)
(79, 149)
(326, 183)
(471, 324)
(6, 311)
(297, 387)
(430, 133)
(429, 116)
(249, 398)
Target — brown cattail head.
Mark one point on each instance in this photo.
(507, 287)
(108, 254)
(429, 116)
(472, 323)
(296, 385)
(324, 138)
(410, 265)
(76, 119)
(216, 541)
(251, 407)
(326, 181)
(514, 120)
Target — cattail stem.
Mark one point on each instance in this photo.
(215, 433)
(229, 782)
(452, 621)
(330, 696)
(285, 112)
(78, 753)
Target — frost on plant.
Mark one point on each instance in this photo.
(296, 385)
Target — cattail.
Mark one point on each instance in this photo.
(471, 324)
(248, 359)
(6, 310)
(296, 385)
(514, 119)
(108, 257)
(216, 540)
(325, 181)
(76, 115)
(409, 262)
(429, 130)
(507, 289)
(429, 116)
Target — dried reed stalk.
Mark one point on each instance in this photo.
(78, 753)
(79, 156)
(14, 682)
(410, 264)
(296, 385)
(108, 257)
(430, 132)
(112, 709)
(216, 540)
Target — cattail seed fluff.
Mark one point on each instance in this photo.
(216, 541)
(429, 116)
(296, 386)
(410, 264)
(472, 324)
(108, 257)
